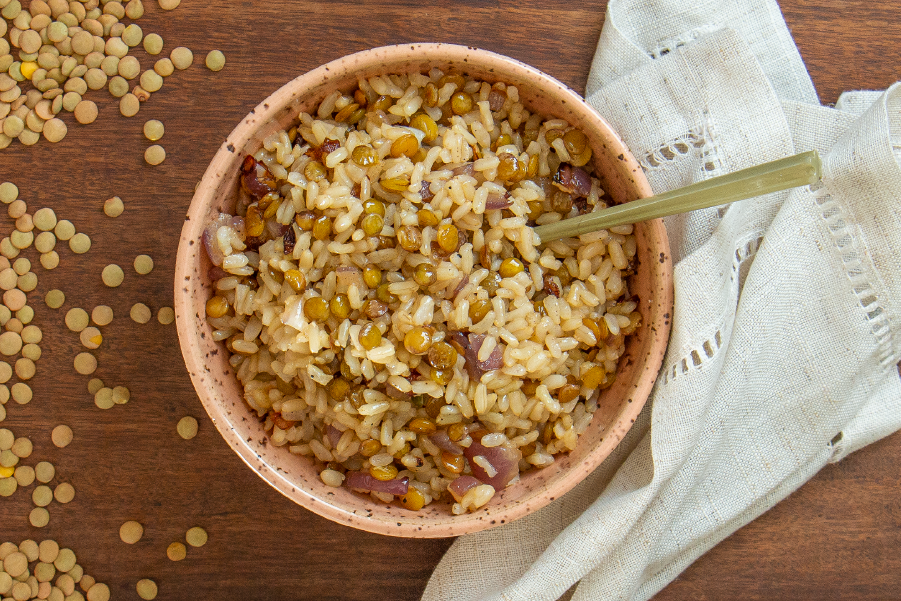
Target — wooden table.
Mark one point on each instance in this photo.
(837, 537)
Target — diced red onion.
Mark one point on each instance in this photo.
(443, 442)
(459, 287)
(276, 229)
(334, 435)
(256, 179)
(478, 368)
(216, 273)
(573, 180)
(503, 458)
(497, 201)
(396, 394)
(465, 169)
(461, 485)
(496, 100)
(366, 482)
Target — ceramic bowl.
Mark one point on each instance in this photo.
(295, 476)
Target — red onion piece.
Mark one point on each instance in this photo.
(461, 485)
(396, 393)
(256, 179)
(276, 229)
(426, 191)
(573, 180)
(334, 435)
(459, 287)
(503, 458)
(443, 442)
(465, 169)
(496, 100)
(365, 482)
(497, 201)
(471, 348)
(216, 273)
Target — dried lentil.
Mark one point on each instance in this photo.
(176, 551)
(131, 532)
(154, 155)
(103, 398)
(76, 319)
(113, 276)
(61, 436)
(79, 243)
(102, 315)
(50, 260)
(85, 363)
(42, 496)
(129, 105)
(55, 299)
(146, 589)
(64, 230)
(39, 517)
(94, 385)
(196, 536)
(21, 393)
(182, 58)
(154, 130)
(140, 313)
(187, 427)
(91, 337)
(64, 493)
(166, 315)
(153, 44)
(215, 60)
(85, 112)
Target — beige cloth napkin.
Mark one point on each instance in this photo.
(785, 337)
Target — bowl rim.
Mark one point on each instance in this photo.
(188, 332)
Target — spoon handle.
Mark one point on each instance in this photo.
(782, 174)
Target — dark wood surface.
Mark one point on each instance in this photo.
(835, 538)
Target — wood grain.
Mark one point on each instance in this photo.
(837, 537)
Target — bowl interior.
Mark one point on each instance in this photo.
(294, 476)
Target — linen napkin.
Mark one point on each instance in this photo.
(786, 325)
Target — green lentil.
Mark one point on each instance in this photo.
(64, 230)
(154, 155)
(79, 243)
(182, 58)
(215, 60)
(113, 207)
(112, 276)
(143, 264)
(154, 130)
(153, 43)
(55, 299)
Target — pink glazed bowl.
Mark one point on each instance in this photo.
(294, 476)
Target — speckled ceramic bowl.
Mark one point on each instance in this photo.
(294, 476)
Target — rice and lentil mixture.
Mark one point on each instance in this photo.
(387, 306)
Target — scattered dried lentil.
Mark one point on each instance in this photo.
(61, 436)
(85, 112)
(166, 315)
(131, 532)
(85, 363)
(113, 207)
(102, 315)
(50, 260)
(196, 536)
(143, 264)
(181, 57)
(187, 427)
(91, 337)
(25, 368)
(64, 230)
(154, 130)
(45, 242)
(146, 589)
(21, 393)
(176, 551)
(39, 517)
(215, 60)
(94, 385)
(154, 155)
(64, 493)
(79, 243)
(103, 398)
(44, 471)
(113, 275)
(55, 130)
(55, 299)
(76, 319)
(129, 105)
(140, 313)
(42, 496)
(8, 192)
(153, 43)
(121, 395)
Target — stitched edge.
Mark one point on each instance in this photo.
(843, 241)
